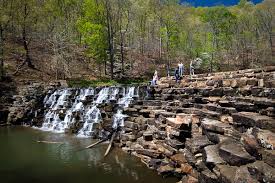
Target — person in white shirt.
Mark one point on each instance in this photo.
(192, 69)
(181, 69)
(155, 78)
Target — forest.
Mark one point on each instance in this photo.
(65, 39)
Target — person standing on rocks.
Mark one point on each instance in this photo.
(192, 69)
(155, 78)
(177, 76)
(181, 68)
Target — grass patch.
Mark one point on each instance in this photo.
(81, 83)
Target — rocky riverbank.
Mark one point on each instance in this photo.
(211, 128)
(22, 102)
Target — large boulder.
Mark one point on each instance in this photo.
(166, 170)
(207, 176)
(211, 155)
(196, 144)
(243, 175)
(179, 158)
(214, 125)
(251, 145)
(268, 157)
(234, 153)
(262, 171)
(265, 137)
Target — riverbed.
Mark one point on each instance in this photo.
(24, 159)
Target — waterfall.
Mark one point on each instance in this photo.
(124, 103)
(118, 119)
(79, 110)
(103, 95)
(114, 93)
(128, 97)
(93, 116)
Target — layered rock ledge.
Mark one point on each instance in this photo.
(212, 128)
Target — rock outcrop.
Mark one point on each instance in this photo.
(212, 128)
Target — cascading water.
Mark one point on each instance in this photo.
(78, 110)
(128, 97)
(92, 117)
(114, 93)
(123, 102)
(102, 96)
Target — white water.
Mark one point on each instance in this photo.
(128, 97)
(103, 95)
(123, 102)
(70, 107)
(91, 117)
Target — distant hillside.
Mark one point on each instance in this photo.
(215, 2)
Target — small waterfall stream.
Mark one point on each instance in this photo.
(79, 110)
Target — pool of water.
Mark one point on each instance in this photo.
(23, 159)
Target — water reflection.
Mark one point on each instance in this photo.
(24, 159)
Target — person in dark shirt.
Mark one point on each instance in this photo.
(177, 75)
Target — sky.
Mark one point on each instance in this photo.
(215, 2)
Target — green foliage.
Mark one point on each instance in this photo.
(116, 32)
(93, 29)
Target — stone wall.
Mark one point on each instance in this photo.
(211, 128)
(26, 105)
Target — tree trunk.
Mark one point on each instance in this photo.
(110, 37)
(27, 52)
(122, 54)
(1, 53)
(25, 41)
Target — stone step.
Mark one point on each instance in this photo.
(249, 119)
(216, 108)
(201, 112)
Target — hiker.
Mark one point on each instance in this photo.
(181, 69)
(155, 78)
(177, 76)
(192, 69)
(168, 71)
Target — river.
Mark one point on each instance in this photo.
(23, 159)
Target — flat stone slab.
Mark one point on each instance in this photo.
(179, 158)
(182, 122)
(207, 176)
(211, 154)
(196, 144)
(149, 152)
(262, 171)
(214, 125)
(250, 119)
(166, 170)
(227, 173)
(243, 175)
(269, 157)
(234, 153)
(233, 174)
(201, 112)
(174, 143)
